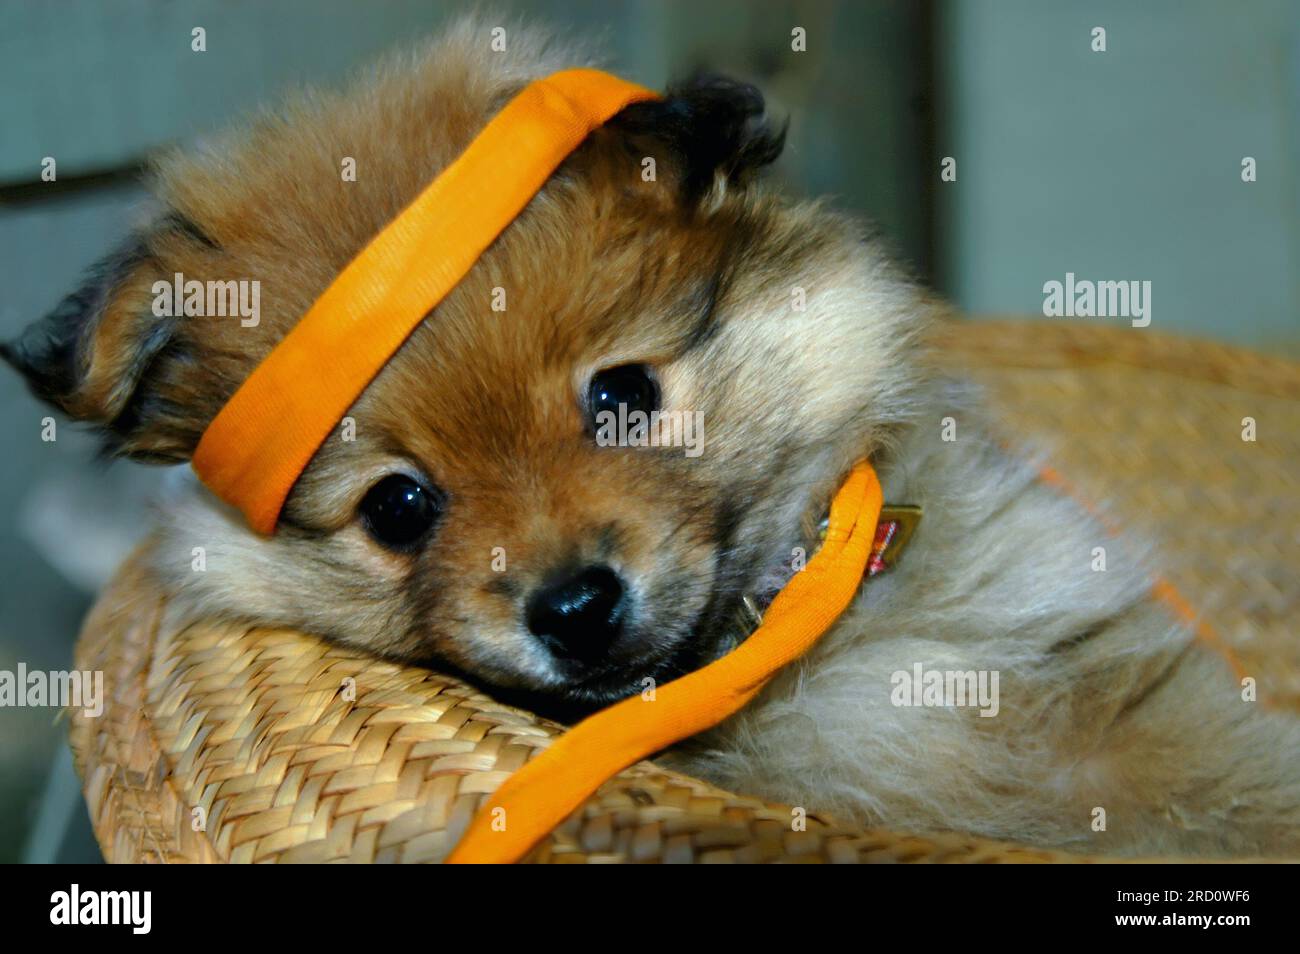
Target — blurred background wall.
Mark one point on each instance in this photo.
(1116, 165)
(1126, 164)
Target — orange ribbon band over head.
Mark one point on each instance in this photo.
(262, 440)
(548, 789)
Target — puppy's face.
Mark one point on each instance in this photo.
(479, 508)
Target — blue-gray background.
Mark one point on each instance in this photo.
(1116, 165)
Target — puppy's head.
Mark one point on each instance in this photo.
(493, 501)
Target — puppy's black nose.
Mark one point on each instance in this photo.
(580, 617)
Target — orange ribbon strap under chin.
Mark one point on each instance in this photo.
(260, 442)
(553, 785)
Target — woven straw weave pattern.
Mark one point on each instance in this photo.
(292, 750)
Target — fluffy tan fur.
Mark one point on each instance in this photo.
(1105, 701)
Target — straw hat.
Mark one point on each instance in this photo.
(224, 743)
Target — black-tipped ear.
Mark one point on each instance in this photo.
(711, 124)
(53, 353)
(88, 356)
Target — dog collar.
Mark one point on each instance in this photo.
(262, 440)
(894, 529)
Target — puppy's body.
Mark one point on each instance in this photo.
(802, 349)
(1105, 701)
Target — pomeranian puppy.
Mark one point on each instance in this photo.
(471, 520)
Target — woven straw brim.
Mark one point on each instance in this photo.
(223, 743)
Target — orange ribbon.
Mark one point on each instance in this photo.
(262, 440)
(546, 790)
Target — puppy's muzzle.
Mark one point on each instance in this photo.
(581, 617)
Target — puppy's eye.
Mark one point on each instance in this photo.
(398, 511)
(628, 384)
